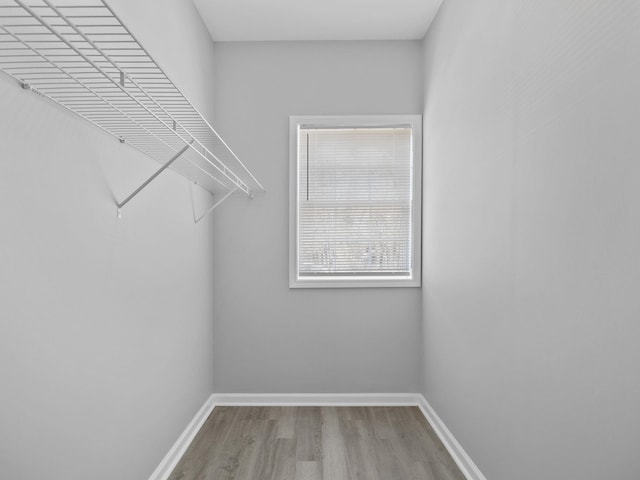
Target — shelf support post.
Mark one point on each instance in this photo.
(213, 207)
(152, 177)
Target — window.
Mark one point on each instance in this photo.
(355, 201)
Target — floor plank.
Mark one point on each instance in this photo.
(316, 443)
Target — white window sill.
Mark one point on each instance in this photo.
(354, 282)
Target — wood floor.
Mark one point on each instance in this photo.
(316, 443)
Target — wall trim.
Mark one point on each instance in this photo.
(464, 462)
(178, 449)
(317, 399)
(469, 469)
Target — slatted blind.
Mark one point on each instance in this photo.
(354, 201)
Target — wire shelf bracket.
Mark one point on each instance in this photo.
(216, 204)
(85, 59)
(153, 177)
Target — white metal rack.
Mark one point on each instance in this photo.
(84, 58)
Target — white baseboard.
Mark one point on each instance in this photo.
(318, 399)
(464, 462)
(174, 455)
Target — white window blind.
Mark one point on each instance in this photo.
(354, 203)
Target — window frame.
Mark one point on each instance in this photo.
(297, 121)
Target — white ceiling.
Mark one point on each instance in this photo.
(270, 20)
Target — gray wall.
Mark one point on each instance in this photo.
(531, 242)
(105, 324)
(269, 338)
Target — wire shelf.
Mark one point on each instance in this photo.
(84, 58)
